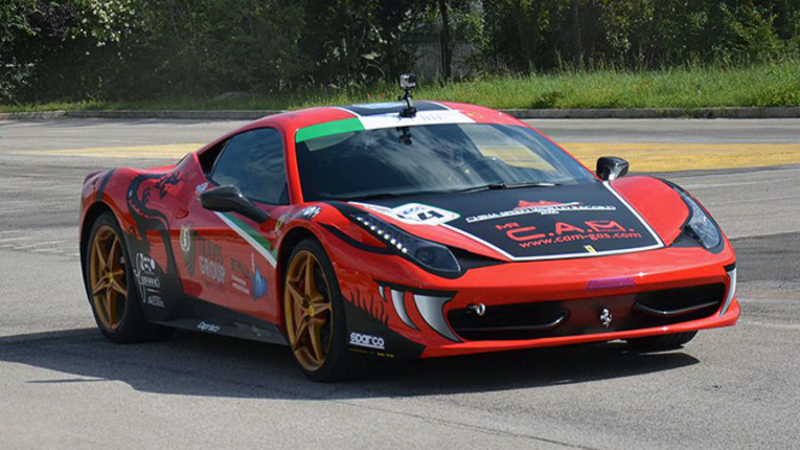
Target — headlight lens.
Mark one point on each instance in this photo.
(700, 226)
(429, 255)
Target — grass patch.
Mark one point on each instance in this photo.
(776, 84)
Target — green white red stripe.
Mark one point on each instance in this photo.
(378, 121)
(251, 236)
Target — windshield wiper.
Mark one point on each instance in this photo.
(485, 187)
(503, 185)
(376, 196)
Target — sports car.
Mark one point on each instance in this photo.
(400, 230)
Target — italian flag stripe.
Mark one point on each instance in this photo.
(328, 129)
(251, 236)
(378, 121)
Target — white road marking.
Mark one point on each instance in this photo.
(37, 244)
(15, 239)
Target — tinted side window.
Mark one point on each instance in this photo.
(253, 161)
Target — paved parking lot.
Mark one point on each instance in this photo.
(63, 386)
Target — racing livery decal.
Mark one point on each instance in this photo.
(537, 223)
(369, 331)
(375, 307)
(148, 218)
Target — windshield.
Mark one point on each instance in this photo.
(431, 159)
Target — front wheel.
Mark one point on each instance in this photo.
(663, 342)
(314, 313)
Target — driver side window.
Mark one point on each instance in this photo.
(253, 161)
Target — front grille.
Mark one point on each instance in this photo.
(533, 320)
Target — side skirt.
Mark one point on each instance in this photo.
(199, 315)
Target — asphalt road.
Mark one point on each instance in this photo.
(63, 386)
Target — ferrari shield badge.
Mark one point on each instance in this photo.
(606, 317)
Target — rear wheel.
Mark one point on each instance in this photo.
(314, 313)
(112, 294)
(663, 342)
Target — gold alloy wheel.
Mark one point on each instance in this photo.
(309, 312)
(107, 277)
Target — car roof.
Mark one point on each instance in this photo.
(429, 112)
(313, 116)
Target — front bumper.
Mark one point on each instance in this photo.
(419, 307)
(713, 321)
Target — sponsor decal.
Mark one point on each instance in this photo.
(415, 213)
(210, 260)
(201, 188)
(610, 283)
(155, 300)
(310, 212)
(590, 249)
(240, 276)
(367, 341)
(248, 280)
(145, 263)
(251, 329)
(188, 249)
(208, 327)
(259, 284)
(148, 282)
(540, 208)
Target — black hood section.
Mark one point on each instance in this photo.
(570, 221)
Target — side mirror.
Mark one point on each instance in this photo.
(230, 199)
(610, 168)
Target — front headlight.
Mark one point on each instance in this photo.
(429, 255)
(700, 226)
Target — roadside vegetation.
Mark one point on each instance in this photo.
(775, 84)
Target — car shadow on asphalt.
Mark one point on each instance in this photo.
(205, 365)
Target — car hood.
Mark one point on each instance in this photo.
(534, 223)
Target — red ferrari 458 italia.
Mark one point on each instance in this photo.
(400, 230)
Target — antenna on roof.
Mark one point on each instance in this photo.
(408, 81)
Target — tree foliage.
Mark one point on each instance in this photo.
(128, 49)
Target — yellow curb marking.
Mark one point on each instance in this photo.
(644, 157)
(667, 157)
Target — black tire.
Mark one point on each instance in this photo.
(340, 361)
(662, 342)
(132, 326)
